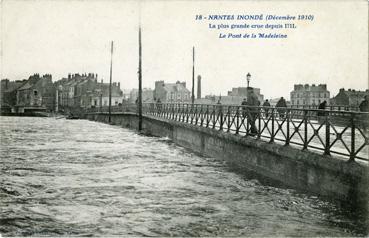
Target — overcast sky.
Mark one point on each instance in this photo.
(61, 37)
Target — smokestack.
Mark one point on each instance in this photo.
(119, 85)
(198, 86)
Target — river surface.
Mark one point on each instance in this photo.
(83, 178)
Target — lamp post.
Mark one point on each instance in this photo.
(248, 77)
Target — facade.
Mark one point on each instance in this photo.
(37, 92)
(8, 93)
(350, 97)
(100, 96)
(147, 95)
(171, 92)
(72, 90)
(84, 91)
(309, 94)
(238, 94)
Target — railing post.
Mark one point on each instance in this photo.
(201, 116)
(259, 123)
(305, 130)
(352, 152)
(207, 116)
(221, 118)
(247, 118)
(214, 116)
(288, 112)
(327, 135)
(272, 135)
(237, 120)
(187, 113)
(229, 119)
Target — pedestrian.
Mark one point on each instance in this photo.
(281, 105)
(158, 105)
(322, 107)
(364, 106)
(244, 106)
(253, 103)
(266, 106)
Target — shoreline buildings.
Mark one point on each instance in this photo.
(350, 97)
(84, 91)
(171, 92)
(309, 94)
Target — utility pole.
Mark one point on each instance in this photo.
(193, 75)
(111, 72)
(139, 80)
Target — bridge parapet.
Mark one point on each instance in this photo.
(330, 132)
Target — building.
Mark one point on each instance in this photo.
(238, 94)
(72, 91)
(8, 94)
(84, 91)
(171, 92)
(309, 95)
(234, 97)
(100, 96)
(147, 95)
(350, 97)
(37, 93)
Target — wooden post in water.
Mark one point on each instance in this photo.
(139, 80)
(111, 72)
(193, 76)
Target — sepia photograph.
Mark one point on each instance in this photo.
(184, 118)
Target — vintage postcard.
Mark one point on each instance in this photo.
(184, 118)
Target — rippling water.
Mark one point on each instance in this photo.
(76, 177)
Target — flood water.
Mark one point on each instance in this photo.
(82, 178)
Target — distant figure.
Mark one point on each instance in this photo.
(280, 105)
(364, 106)
(266, 110)
(219, 108)
(252, 100)
(158, 105)
(244, 104)
(322, 106)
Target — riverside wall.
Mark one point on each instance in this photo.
(331, 178)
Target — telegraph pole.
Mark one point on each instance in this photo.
(111, 72)
(193, 75)
(139, 80)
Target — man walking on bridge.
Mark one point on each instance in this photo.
(253, 103)
(364, 106)
(281, 104)
(266, 106)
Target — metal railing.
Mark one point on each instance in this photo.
(343, 133)
(328, 107)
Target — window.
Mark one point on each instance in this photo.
(105, 102)
(35, 92)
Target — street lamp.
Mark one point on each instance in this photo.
(248, 77)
